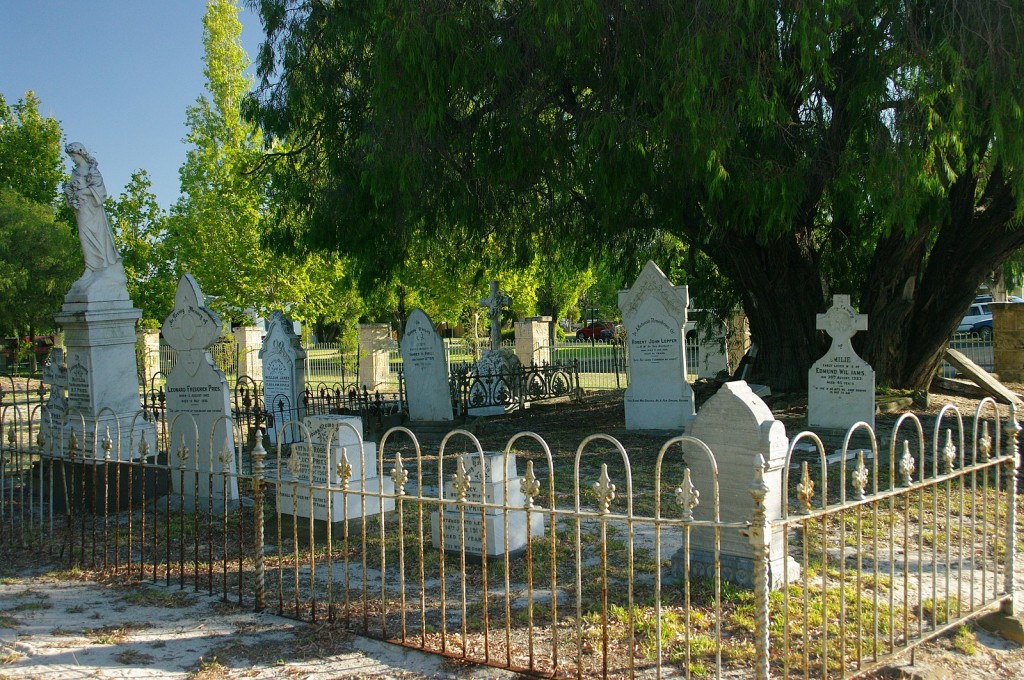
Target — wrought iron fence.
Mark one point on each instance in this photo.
(555, 567)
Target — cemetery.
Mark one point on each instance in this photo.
(562, 341)
(481, 507)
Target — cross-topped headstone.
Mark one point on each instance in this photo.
(198, 405)
(841, 385)
(494, 303)
(841, 321)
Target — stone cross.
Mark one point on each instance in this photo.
(841, 321)
(494, 303)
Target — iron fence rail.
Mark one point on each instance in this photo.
(890, 547)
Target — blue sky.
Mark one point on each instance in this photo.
(117, 74)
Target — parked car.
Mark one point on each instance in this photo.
(42, 345)
(977, 321)
(596, 330)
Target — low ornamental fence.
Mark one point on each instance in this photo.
(546, 561)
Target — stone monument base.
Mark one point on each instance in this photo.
(92, 485)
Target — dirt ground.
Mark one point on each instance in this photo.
(59, 624)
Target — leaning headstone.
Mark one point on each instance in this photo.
(303, 493)
(654, 315)
(841, 385)
(284, 378)
(738, 427)
(425, 368)
(197, 388)
(486, 485)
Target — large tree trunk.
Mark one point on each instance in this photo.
(781, 289)
(915, 295)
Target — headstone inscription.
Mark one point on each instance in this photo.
(841, 385)
(311, 470)
(284, 378)
(425, 368)
(197, 388)
(654, 315)
(738, 427)
(486, 485)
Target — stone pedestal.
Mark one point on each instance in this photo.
(533, 340)
(148, 342)
(1008, 340)
(374, 341)
(248, 343)
(102, 380)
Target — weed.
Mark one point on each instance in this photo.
(965, 641)
(153, 597)
(8, 621)
(113, 634)
(209, 670)
(9, 656)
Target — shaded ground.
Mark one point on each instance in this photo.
(55, 624)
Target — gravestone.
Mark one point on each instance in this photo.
(738, 427)
(55, 375)
(841, 385)
(197, 388)
(284, 377)
(425, 368)
(299, 498)
(486, 485)
(654, 315)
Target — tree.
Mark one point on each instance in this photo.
(861, 146)
(140, 232)
(215, 229)
(30, 151)
(39, 260)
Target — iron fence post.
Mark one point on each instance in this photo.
(759, 534)
(258, 455)
(1012, 430)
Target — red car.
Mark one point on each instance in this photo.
(596, 330)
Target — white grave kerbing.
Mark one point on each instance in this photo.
(486, 485)
(304, 494)
(425, 368)
(841, 385)
(197, 388)
(654, 315)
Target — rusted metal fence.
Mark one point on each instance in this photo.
(553, 563)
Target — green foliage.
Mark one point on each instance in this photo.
(215, 229)
(794, 150)
(140, 232)
(39, 260)
(30, 151)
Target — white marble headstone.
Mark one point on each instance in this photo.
(284, 377)
(738, 427)
(841, 385)
(654, 315)
(425, 368)
(198, 388)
